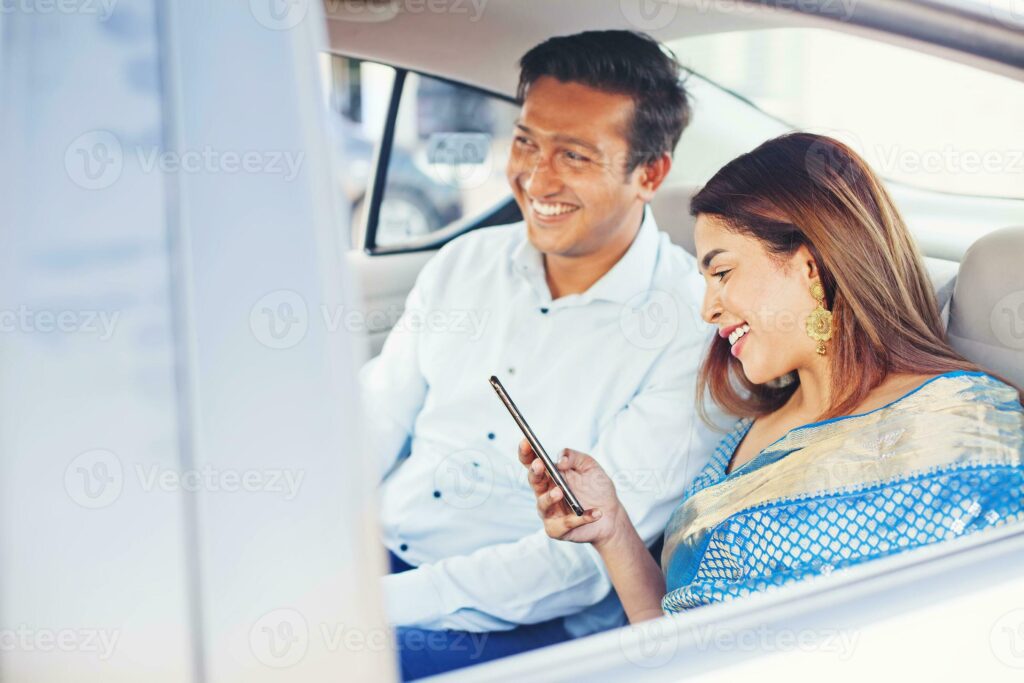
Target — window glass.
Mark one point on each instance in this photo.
(447, 160)
(917, 119)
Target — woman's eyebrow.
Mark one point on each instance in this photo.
(706, 261)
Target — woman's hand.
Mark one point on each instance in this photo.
(603, 514)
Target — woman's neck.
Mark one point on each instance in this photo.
(813, 396)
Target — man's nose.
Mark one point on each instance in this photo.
(542, 180)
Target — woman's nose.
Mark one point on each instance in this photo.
(711, 309)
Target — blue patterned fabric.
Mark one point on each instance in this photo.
(943, 461)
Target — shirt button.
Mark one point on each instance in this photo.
(544, 310)
(403, 547)
(490, 435)
(511, 371)
(437, 494)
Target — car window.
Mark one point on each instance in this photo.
(357, 93)
(447, 160)
(918, 119)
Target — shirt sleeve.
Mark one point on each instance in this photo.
(652, 448)
(393, 384)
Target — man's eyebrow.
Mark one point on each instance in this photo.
(706, 261)
(567, 139)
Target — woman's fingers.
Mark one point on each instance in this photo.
(538, 478)
(526, 454)
(559, 526)
(571, 459)
(547, 502)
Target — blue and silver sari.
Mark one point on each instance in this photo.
(945, 460)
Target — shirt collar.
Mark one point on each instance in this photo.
(630, 275)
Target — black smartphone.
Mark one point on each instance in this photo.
(549, 464)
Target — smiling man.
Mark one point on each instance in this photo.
(592, 324)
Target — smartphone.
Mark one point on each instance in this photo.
(549, 464)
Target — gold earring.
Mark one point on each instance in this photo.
(819, 322)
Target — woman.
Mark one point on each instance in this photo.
(862, 432)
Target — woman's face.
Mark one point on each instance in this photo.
(768, 296)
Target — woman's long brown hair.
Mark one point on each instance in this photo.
(811, 190)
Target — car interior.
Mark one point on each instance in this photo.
(183, 494)
(507, 29)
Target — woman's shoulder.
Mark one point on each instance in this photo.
(968, 384)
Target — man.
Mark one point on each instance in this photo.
(590, 321)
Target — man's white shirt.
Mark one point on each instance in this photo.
(610, 372)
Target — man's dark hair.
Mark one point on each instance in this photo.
(621, 62)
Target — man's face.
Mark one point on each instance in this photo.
(567, 168)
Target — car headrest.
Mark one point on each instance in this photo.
(986, 315)
(671, 207)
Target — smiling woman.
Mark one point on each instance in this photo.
(862, 432)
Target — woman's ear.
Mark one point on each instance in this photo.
(808, 266)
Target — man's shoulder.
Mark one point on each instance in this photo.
(485, 241)
(483, 244)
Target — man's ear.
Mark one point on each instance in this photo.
(652, 175)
